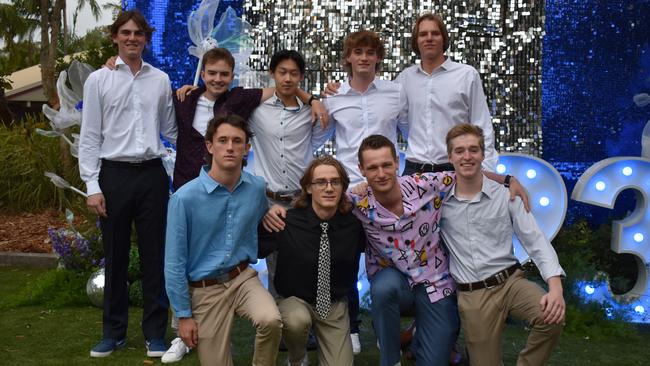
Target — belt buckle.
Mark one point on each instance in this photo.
(488, 287)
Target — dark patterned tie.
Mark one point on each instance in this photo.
(323, 300)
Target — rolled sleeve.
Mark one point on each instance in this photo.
(176, 255)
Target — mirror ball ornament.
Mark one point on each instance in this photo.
(95, 288)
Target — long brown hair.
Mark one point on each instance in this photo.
(416, 29)
(304, 200)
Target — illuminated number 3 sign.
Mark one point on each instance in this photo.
(599, 185)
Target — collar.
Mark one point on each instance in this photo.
(119, 62)
(347, 89)
(445, 66)
(487, 189)
(308, 216)
(275, 101)
(211, 185)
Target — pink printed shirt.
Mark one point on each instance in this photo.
(410, 243)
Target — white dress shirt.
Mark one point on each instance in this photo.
(354, 115)
(284, 142)
(122, 119)
(203, 114)
(478, 234)
(450, 95)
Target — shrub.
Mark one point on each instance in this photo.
(24, 156)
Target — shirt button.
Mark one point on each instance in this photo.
(280, 138)
(282, 155)
(284, 172)
(286, 186)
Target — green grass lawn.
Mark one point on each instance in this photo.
(38, 335)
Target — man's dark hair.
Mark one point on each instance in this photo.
(230, 119)
(288, 55)
(376, 142)
(124, 16)
(218, 54)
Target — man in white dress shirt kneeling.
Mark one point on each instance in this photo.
(477, 224)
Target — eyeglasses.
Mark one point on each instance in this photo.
(322, 183)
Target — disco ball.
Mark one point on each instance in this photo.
(95, 288)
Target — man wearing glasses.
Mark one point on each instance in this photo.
(318, 261)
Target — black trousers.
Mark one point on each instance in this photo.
(353, 309)
(139, 194)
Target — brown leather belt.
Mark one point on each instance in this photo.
(492, 281)
(241, 267)
(286, 196)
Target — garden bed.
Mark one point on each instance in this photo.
(27, 232)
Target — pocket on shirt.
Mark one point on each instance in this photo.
(493, 225)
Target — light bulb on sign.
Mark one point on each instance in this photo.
(627, 171)
(531, 173)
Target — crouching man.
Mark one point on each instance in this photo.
(317, 264)
(211, 238)
(477, 224)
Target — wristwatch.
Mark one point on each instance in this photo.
(506, 181)
(311, 99)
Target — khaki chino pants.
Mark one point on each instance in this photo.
(214, 310)
(332, 333)
(483, 314)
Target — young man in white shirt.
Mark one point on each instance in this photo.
(478, 221)
(364, 104)
(441, 94)
(120, 153)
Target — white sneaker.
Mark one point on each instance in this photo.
(176, 351)
(356, 344)
(304, 362)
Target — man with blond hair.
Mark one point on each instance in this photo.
(478, 221)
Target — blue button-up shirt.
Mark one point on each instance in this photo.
(209, 231)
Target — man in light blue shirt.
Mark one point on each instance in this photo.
(211, 238)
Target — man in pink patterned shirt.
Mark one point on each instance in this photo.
(406, 264)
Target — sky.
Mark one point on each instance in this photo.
(85, 20)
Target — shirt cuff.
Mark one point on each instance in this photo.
(92, 187)
(183, 314)
(558, 272)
